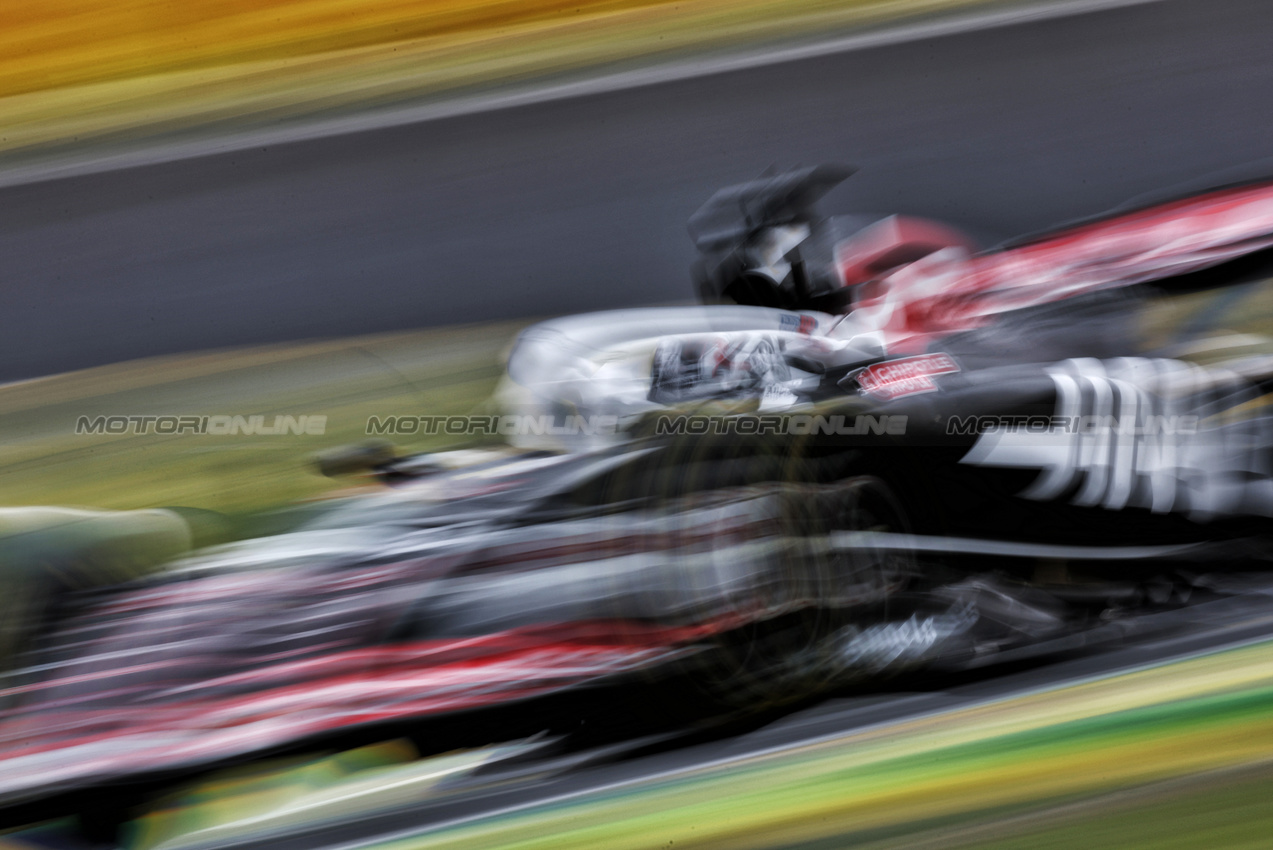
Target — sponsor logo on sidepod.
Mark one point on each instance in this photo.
(908, 376)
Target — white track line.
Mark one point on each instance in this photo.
(665, 73)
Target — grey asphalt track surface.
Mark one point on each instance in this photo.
(580, 204)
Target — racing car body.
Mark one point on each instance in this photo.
(959, 453)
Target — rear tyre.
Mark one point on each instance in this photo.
(822, 590)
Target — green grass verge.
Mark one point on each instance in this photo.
(1225, 809)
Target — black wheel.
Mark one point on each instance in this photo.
(831, 579)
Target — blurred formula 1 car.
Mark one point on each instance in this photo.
(890, 450)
